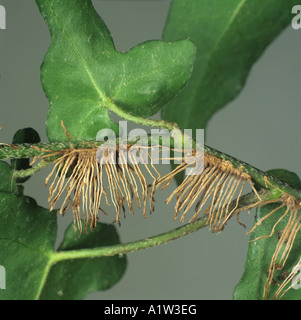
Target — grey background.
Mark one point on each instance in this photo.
(260, 127)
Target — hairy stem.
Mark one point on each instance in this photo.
(140, 120)
(259, 177)
(131, 246)
(31, 171)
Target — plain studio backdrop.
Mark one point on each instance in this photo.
(261, 127)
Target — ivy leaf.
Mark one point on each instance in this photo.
(27, 239)
(7, 183)
(27, 236)
(84, 77)
(260, 252)
(72, 280)
(230, 36)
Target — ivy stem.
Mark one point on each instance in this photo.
(131, 246)
(29, 172)
(139, 120)
(259, 177)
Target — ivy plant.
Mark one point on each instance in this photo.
(206, 47)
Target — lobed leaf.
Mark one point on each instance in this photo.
(84, 77)
(27, 239)
(74, 279)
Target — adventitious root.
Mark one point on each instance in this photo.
(86, 180)
(113, 174)
(213, 190)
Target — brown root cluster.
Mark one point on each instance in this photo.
(213, 190)
(85, 183)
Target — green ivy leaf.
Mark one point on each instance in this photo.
(7, 183)
(84, 77)
(260, 252)
(27, 236)
(72, 280)
(27, 239)
(230, 36)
